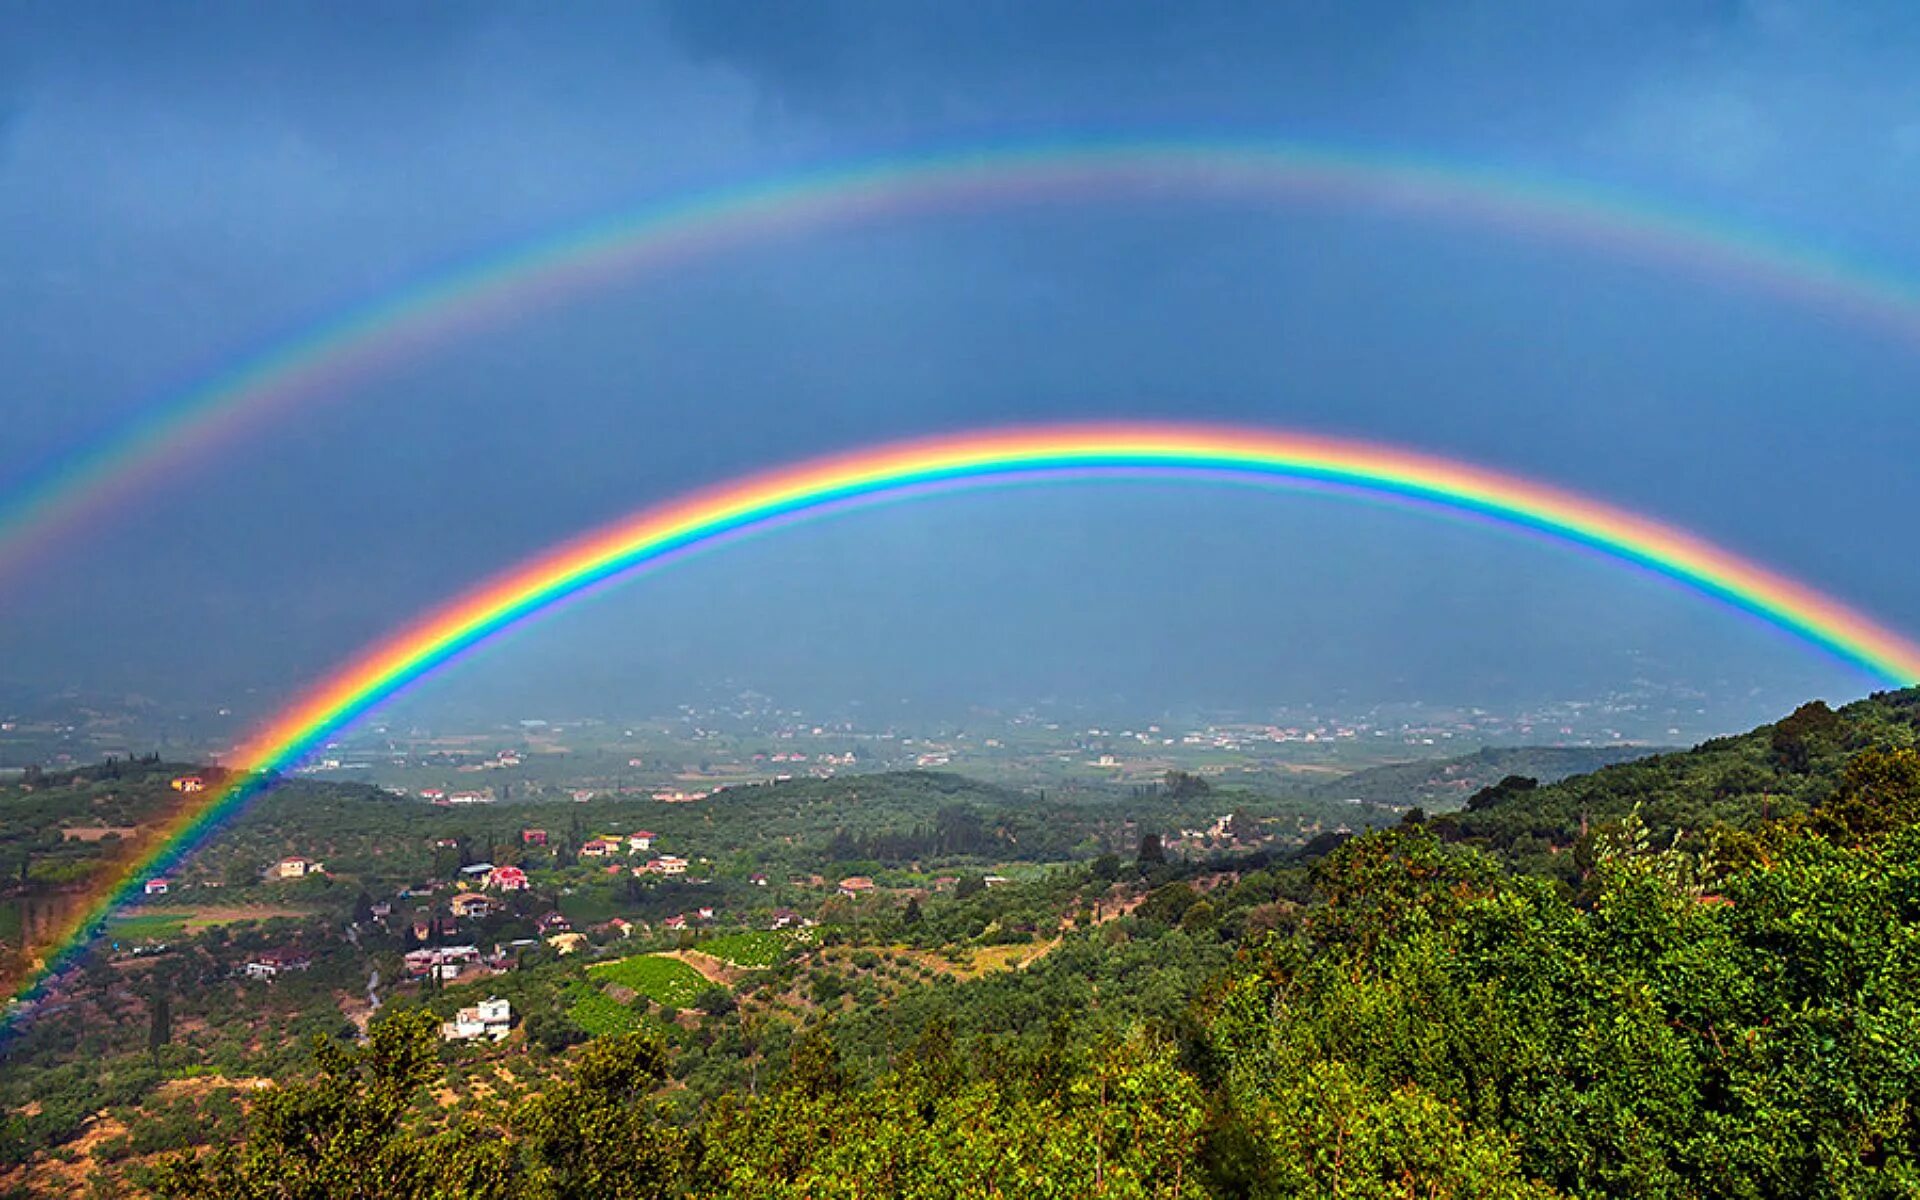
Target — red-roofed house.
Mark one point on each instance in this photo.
(533, 837)
(157, 887)
(507, 879)
(643, 840)
(856, 885)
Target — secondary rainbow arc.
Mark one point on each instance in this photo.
(318, 361)
(710, 517)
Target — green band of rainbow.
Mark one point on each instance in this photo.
(662, 533)
(319, 362)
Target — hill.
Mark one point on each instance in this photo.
(1777, 770)
(1440, 785)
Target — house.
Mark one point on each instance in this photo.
(567, 943)
(856, 885)
(471, 904)
(507, 879)
(274, 962)
(442, 962)
(434, 794)
(491, 1018)
(677, 921)
(157, 886)
(993, 880)
(599, 847)
(189, 783)
(552, 922)
(643, 840)
(470, 798)
(667, 864)
(533, 837)
(704, 912)
(619, 925)
(757, 880)
(381, 910)
(295, 867)
(784, 918)
(446, 843)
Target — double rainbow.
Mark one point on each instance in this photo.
(319, 362)
(763, 502)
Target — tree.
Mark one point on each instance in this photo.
(1506, 789)
(160, 1026)
(596, 1135)
(1879, 792)
(1152, 853)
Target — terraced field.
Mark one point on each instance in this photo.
(751, 950)
(660, 979)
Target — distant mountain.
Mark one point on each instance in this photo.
(1442, 785)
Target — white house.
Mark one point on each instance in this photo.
(491, 1018)
(296, 867)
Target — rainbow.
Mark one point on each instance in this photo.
(319, 362)
(759, 503)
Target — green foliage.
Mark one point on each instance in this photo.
(600, 1015)
(660, 979)
(754, 950)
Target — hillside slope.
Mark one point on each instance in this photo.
(1441, 785)
(1773, 771)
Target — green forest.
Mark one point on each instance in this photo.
(1692, 975)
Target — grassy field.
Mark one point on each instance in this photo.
(661, 980)
(598, 1014)
(752, 950)
(148, 926)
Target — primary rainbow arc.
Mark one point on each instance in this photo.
(711, 517)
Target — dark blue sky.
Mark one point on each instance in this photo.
(179, 184)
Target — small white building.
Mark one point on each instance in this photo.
(296, 867)
(491, 1018)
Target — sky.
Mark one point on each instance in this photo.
(181, 185)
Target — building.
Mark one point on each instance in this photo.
(704, 912)
(441, 962)
(784, 918)
(158, 886)
(189, 783)
(599, 847)
(757, 880)
(507, 879)
(552, 922)
(856, 885)
(476, 870)
(619, 925)
(637, 842)
(295, 867)
(667, 864)
(273, 963)
(533, 837)
(491, 1018)
(677, 921)
(471, 904)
